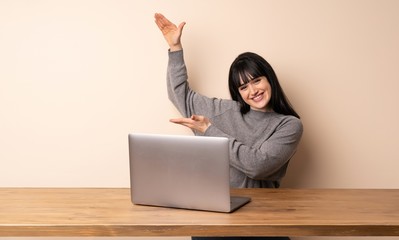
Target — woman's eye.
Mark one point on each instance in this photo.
(242, 88)
(257, 80)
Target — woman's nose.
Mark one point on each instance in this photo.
(252, 89)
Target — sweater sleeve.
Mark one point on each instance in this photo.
(264, 161)
(187, 101)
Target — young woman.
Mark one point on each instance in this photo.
(263, 128)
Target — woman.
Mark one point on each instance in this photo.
(263, 128)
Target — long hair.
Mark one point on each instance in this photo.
(248, 66)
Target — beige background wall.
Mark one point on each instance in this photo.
(77, 76)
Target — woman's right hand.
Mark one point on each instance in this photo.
(170, 31)
(195, 122)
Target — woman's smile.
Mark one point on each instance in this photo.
(256, 93)
(258, 97)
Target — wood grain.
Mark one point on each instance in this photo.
(272, 212)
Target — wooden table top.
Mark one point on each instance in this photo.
(272, 212)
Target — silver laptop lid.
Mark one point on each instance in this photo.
(180, 171)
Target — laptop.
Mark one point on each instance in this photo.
(179, 171)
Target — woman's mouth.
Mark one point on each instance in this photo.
(258, 97)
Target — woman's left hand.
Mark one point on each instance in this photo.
(195, 122)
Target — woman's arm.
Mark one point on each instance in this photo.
(189, 102)
(273, 153)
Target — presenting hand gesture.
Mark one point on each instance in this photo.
(195, 122)
(170, 31)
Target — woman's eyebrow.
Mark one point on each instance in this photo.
(251, 80)
(245, 83)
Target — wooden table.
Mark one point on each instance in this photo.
(272, 212)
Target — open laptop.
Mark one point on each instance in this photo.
(179, 171)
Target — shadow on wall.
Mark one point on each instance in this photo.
(300, 167)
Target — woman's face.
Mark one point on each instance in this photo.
(256, 93)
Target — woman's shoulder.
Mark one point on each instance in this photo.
(223, 106)
(230, 104)
(290, 121)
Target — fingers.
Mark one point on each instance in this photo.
(162, 22)
(182, 120)
(192, 122)
(162, 19)
(197, 118)
(159, 20)
(181, 25)
(187, 122)
(195, 122)
(192, 119)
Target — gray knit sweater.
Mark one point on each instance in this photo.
(261, 143)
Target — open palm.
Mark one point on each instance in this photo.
(170, 31)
